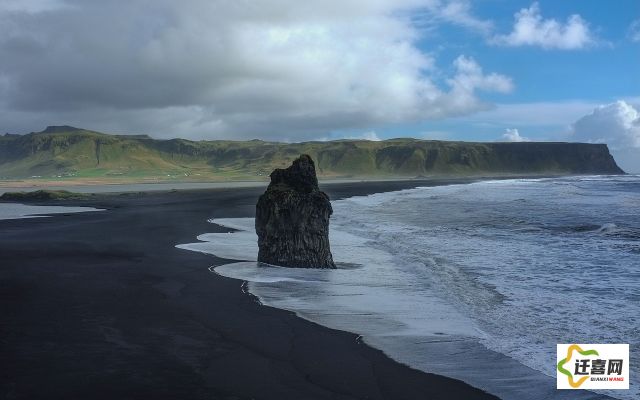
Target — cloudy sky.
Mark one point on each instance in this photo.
(306, 70)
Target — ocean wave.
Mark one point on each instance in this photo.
(469, 274)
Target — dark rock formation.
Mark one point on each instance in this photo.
(43, 195)
(292, 219)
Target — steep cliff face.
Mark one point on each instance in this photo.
(81, 153)
(438, 157)
(292, 219)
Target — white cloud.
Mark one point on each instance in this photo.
(634, 31)
(617, 124)
(368, 135)
(372, 136)
(459, 12)
(468, 78)
(512, 135)
(213, 68)
(531, 29)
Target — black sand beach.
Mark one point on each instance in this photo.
(103, 306)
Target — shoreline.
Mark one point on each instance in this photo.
(107, 186)
(429, 350)
(108, 299)
(445, 351)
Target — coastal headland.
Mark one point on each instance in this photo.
(64, 155)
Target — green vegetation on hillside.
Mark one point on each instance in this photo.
(71, 153)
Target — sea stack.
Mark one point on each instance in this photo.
(292, 219)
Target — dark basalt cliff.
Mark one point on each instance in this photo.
(292, 219)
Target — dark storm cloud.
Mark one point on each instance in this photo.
(273, 69)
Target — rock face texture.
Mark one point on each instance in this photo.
(292, 219)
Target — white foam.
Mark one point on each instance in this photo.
(375, 288)
(391, 305)
(477, 282)
(240, 224)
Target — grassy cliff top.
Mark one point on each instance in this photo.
(73, 154)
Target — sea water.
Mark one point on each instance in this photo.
(16, 210)
(477, 281)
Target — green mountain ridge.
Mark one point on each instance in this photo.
(73, 153)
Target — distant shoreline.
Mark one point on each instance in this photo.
(108, 186)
